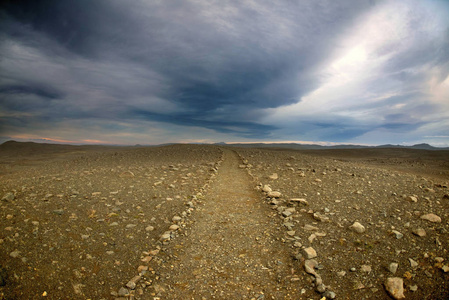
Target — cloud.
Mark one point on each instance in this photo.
(315, 70)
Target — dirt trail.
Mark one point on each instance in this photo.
(232, 249)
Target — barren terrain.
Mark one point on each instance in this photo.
(209, 222)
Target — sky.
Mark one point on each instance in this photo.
(151, 72)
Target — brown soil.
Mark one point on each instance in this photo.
(84, 221)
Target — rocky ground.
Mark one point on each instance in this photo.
(208, 222)
(355, 220)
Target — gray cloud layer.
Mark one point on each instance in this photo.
(223, 67)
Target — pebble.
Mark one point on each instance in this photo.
(274, 194)
(357, 227)
(398, 234)
(309, 266)
(310, 227)
(330, 295)
(393, 267)
(413, 263)
(14, 254)
(274, 176)
(266, 189)
(341, 273)
(413, 288)
(395, 287)
(122, 292)
(133, 282)
(412, 199)
(58, 211)
(113, 224)
(431, 218)
(321, 288)
(365, 268)
(309, 253)
(300, 200)
(165, 237)
(131, 226)
(8, 197)
(173, 227)
(149, 228)
(176, 219)
(419, 232)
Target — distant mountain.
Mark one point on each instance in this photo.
(318, 147)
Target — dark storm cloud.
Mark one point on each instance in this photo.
(223, 60)
(224, 66)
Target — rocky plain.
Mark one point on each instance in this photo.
(221, 222)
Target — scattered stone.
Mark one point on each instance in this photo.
(274, 194)
(398, 234)
(412, 198)
(127, 174)
(286, 213)
(431, 218)
(297, 244)
(310, 227)
(165, 237)
(113, 224)
(393, 267)
(149, 228)
(130, 226)
(58, 212)
(309, 253)
(341, 273)
(266, 189)
(365, 268)
(445, 268)
(320, 217)
(357, 227)
(330, 295)
(413, 263)
(274, 176)
(133, 282)
(146, 259)
(299, 200)
(309, 266)
(173, 227)
(419, 232)
(413, 288)
(122, 292)
(176, 219)
(8, 197)
(14, 254)
(395, 287)
(320, 288)
(291, 232)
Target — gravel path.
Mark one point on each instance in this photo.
(232, 249)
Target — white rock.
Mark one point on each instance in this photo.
(357, 227)
(393, 267)
(413, 263)
(149, 228)
(395, 287)
(365, 268)
(398, 234)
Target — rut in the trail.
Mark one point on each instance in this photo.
(232, 249)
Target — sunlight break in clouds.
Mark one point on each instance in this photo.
(363, 83)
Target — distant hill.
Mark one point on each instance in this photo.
(319, 147)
